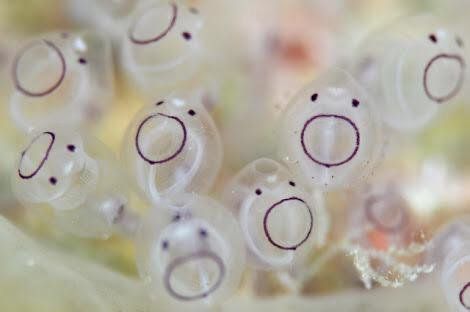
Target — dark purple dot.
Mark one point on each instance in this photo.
(71, 147)
(187, 35)
(291, 183)
(314, 97)
(203, 233)
(165, 244)
(355, 103)
(176, 218)
(191, 112)
(193, 10)
(159, 103)
(433, 38)
(258, 192)
(82, 61)
(53, 180)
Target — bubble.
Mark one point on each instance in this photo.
(414, 68)
(191, 250)
(161, 47)
(75, 175)
(172, 147)
(278, 217)
(59, 79)
(330, 134)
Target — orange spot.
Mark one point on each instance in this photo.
(378, 240)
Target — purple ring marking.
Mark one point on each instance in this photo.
(266, 230)
(374, 220)
(462, 292)
(133, 39)
(180, 148)
(203, 254)
(51, 89)
(43, 160)
(322, 163)
(457, 87)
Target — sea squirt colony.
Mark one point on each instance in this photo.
(191, 248)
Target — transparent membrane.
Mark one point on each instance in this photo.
(278, 217)
(161, 46)
(450, 236)
(60, 78)
(190, 250)
(76, 176)
(455, 277)
(330, 134)
(172, 147)
(385, 237)
(413, 68)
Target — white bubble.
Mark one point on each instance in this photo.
(330, 135)
(413, 68)
(172, 147)
(277, 215)
(191, 250)
(54, 82)
(75, 175)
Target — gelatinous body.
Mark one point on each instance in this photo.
(191, 250)
(384, 236)
(161, 47)
(172, 147)
(384, 218)
(413, 68)
(61, 78)
(330, 135)
(450, 251)
(455, 277)
(75, 175)
(277, 215)
(449, 237)
(108, 16)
